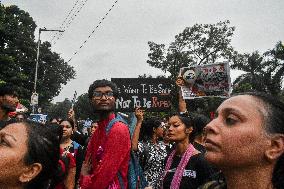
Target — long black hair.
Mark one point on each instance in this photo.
(147, 128)
(200, 121)
(43, 148)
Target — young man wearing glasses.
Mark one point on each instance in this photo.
(107, 154)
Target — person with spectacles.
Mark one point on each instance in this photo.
(107, 154)
(99, 95)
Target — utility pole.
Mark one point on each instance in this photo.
(34, 97)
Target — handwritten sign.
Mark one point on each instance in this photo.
(206, 80)
(152, 94)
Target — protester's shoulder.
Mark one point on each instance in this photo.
(120, 127)
(203, 166)
(76, 145)
(121, 122)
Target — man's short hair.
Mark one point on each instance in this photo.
(102, 83)
(7, 89)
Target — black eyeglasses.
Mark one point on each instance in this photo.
(99, 95)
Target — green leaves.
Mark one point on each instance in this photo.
(199, 44)
(18, 50)
(263, 72)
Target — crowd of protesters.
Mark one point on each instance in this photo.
(241, 148)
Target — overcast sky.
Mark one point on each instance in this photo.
(118, 48)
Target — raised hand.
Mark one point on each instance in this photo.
(180, 82)
(139, 113)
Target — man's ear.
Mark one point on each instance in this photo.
(30, 172)
(276, 148)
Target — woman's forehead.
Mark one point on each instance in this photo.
(65, 123)
(174, 118)
(243, 103)
(17, 131)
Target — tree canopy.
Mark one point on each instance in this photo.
(83, 108)
(263, 72)
(199, 44)
(58, 110)
(18, 57)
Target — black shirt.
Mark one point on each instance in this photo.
(80, 138)
(196, 172)
(199, 147)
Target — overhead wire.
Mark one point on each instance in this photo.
(93, 31)
(76, 13)
(72, 18)
(61, 27)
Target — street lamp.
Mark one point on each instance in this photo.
(34, 98)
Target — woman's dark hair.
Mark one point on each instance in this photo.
(52, 118)
(187, 120)
(56, 129)
(274, 123)
(63, 162)
(200, 121)
(147, 127)
(43, 148)
(102, 83)
(70, 121)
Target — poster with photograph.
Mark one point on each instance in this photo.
(206, 81)
(152, 94)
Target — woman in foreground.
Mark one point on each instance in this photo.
(246, 141)
(29, 155)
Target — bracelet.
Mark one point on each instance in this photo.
(182, 113)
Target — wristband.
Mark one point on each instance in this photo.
(184, 113)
